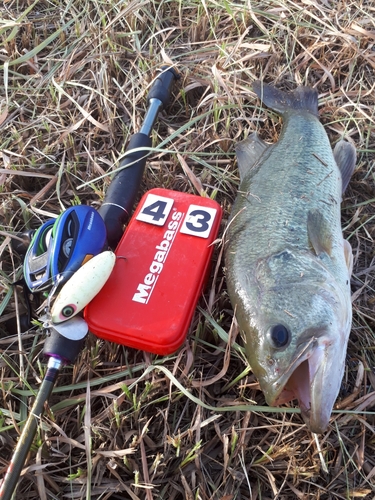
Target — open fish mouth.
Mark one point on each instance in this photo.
(314, 379)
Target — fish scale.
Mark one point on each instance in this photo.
(288, 265)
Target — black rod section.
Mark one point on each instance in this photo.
(27, 436)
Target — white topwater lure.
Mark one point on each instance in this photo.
(82, 286)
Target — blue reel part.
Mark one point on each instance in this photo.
(60, 247)
(78, 234)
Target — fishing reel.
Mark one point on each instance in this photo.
(61, 246)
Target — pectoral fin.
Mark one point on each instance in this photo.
(319, 232)
(345, 157)
(348, 256)
(248, 153)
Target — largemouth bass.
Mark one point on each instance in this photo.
(288, 265)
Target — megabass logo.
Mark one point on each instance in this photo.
(145, 289)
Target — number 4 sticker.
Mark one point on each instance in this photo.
(155, 209)
(198, 221)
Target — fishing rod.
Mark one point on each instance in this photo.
(70, 247)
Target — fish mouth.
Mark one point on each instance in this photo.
(314, 379)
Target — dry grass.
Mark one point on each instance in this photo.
(74, 77)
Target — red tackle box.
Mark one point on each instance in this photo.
(161, 266)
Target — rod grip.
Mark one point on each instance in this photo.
(122, 192)
(61, 347)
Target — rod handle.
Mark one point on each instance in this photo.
(122, 192)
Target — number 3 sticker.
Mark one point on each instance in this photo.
(198, 221)
(155, 209)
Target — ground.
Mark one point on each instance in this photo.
(193, 425)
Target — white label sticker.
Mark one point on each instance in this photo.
(155, 209)
(198, 221)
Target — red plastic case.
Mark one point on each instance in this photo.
(162, 262)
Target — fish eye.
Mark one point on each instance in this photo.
(279, 336)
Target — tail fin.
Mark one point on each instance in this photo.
(303, 98)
